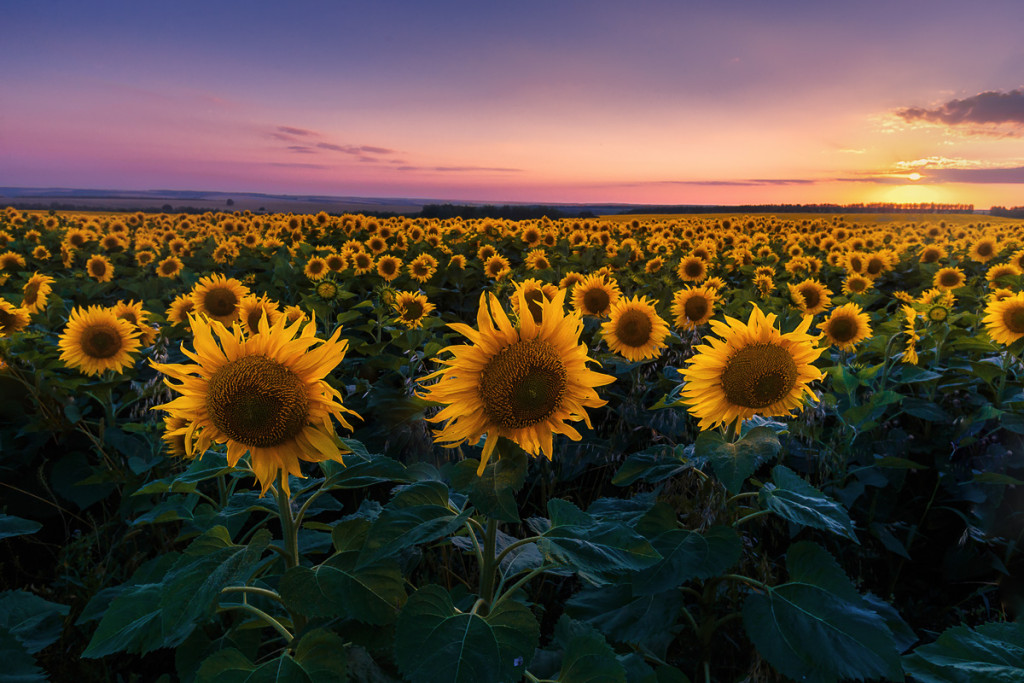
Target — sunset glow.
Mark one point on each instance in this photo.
(706, 103)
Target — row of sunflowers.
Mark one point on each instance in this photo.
(714, 403)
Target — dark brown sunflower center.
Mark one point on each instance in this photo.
(759, 376)
(31, 293)
(633, 328)
(596, 300)
(930, 256)
(388, 267)
(413, 310)
(363, 260)
(811, 296)
(985, 249)
(693, 268)
(695, 308)
(257, 402)
(422, 268)
(98, 268)
(843, 328)
(523, 384)
(534, 298)
(168, 267)
(1013, 319)
(949, 278)
(858, 285)
(101, 341)
(253, 319)
(875, 266)
(220, 302)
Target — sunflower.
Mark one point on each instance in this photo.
(753, 369)
(595, 295)
(534, 292)
(316, 268)
(1004, 319)
(327, 289)
(362, 262)
(412, 308)
(35, 292)
(457, 261)
(764, 285)
(218, 297)
(810, 296)
(693, 306)
(263, 394)
(525, 384)
(252, 308)
(537, 259)
(984, 250)
(949, 278)
(635, 331)
(179, 309)
(932, 253)
(570, 279)
(294, 314)
(692, 269)
(910, 329)
(169, 267)
(846, 327)
(96, 340)
(389, 267)
(41, 253)
(654, 265)
(99, 268)
(423, 267)
(856, 284)
(12, 319)
(11, 261)
(1002, 270)
(496, 267)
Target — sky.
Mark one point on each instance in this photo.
(676, 102)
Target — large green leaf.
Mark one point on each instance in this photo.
(652, 465)
(419, 513)
(211, 562)
(19, 666)
(493, 492)
(586, 658)
(990, 653)
(370, 593)
(817, 627)
(598, 551)
(688, 555)
(437, 643)
(734, 462)
(163, 611)
(789, 496)
(319, 656)
(624, 617)
(33, 621)
(16, 526)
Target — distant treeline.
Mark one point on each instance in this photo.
(1012, 212)
(879, 207)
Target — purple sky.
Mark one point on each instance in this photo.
(668, 102)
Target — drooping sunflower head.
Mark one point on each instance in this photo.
(35, 292)
(11, 261)
(1002, 271)
(522, 383)
(693, 306)
(96, 340)
(264, 394)
(179, 309)
(635, 331)
(595, 295)
(1004, 319)
(457, 261)
(218, 297)
(846, 327)
(12, 318)
(412, 308)
(752, 369)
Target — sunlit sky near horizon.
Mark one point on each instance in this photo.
(721, 102)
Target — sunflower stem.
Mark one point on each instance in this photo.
(289, 531)
(255, 590)
(752, 515)
(513, 546)
(270, 621)
(490, 564)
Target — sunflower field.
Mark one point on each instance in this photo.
(239, 447)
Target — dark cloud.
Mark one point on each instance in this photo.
(301, 149)
(301, 132)
(285, 164)
(354, 149)
(460, 169)
(936, 176)
(990, 108)
(753, 182)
